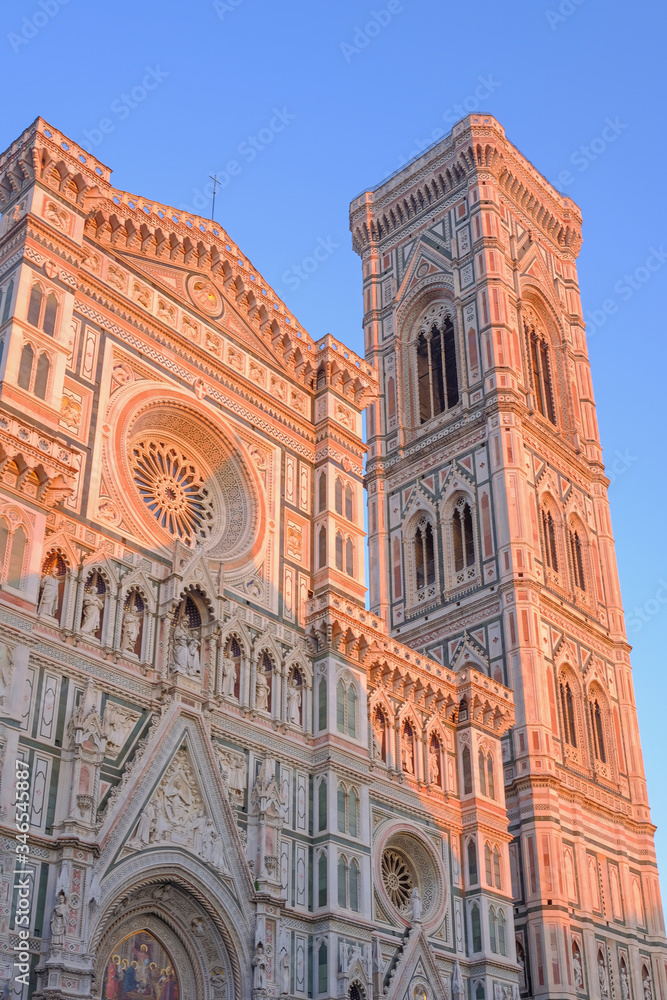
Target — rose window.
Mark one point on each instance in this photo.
(173, 490)
(397, 878)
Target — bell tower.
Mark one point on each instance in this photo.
(490, 536)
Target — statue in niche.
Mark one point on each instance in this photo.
(259, 968)
(59, 920)
(180, 652)
(408, 755)
(261, 691)
(6, 670)
(434, 765)
(416, 905)
(193, 654)
(578, 970)
(646, 985)
(294, 701)
(92, 611)
(625, 983)
(130, 629)
(228, 676)
(48, 594)
(185, 650)
(284, 972)
(602, 977)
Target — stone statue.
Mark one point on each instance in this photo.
(284, 972)
(408, 756)
(294, 703)
(6, 670)
(646, 984)
(48, 594)
(145, 826)
(130, 630)
(180, 654)
(92, 611)
(625, 984)
(378, 960)
(434, 766)
(59, 920)
(261, 692)
(233, 770)
(416, 905)
(259, 968)
(193, 654)
(578, 971)
(228, 676)
(602, 977)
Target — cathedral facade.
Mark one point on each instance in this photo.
(224, 773)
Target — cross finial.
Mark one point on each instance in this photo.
(214, 178)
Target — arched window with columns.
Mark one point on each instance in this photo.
(577, 554)
(13, 554)
(436, 364)
(540, 357)
(421, 539)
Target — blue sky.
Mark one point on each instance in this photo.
(312, 106)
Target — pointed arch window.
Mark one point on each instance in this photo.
(472, 863)
(17, 549)
(482, 772)
(424, 553)
(339, 551)
(462, 535)
(341, 807)
(322, 704)
(346, 708)
(349, 557)
(8, 301)
(488, 864)
(50, 313)
(338, 496)
(322, 547)
(322, 880)
(322, 492)
(34, 377)
(437, 373)
(597, 730)
(322, 964)
(496, 869)
(354, 885)
(549, 540)
(35, 305)
(43, 310)
(540, 369)
(342, 882)
(493, 929)
(490, 777)
(42, 376)
(349, 503)
(501, 933)
(476, 927)
(322, 805)
(567, 711)
(577, 557)
(467, 770)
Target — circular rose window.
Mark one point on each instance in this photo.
(407, 862)
(173, 490)
(397, 877)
